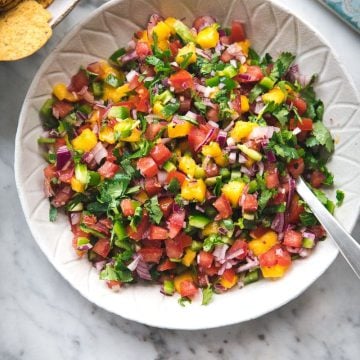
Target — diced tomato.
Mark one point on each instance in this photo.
(296, 167)
(212, 271)
(250, 203)
(151, 255)
(127, 207)
(107, 222)
(66, 175)
(160, 153)
(293, 238)
(174, 248)
(237, 31)
(184, 239)
(95, 68)
(253, 73)
(305, 124)
(236, 247)
(276, 255)
(181, 81)
(50, 172)
(142, 100)
(279, 197)
(222, 205)
(166, 265)
(174, 47)
(212, 170)
(153, 130)
(152, 186)
(158, 233)
(134, 82)
(258, 232)
(198, 135)
(78, 81)
(300, 104)
(75, 229)
(108, 169)
(205, 259)
(179, 176)
(188, 288)
(59, 142)
(317, 178)
(62, 197)
(113, 284)
(61, 108)
(147, 166)
(319, 231)
(175, 222)
(166, 205)
(151, 243)
(141, 229)
(102, 247)
(142, 49)
(272, 179)
(293, 215)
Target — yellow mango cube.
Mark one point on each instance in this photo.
(179, 130)
(187, 165)
(242, 130)
(212, 150)
(189, 257)
(221, 160)
(208, 37)
(244, 103)
(170, 21)
(134, 137)
(184, 52)
(276, 271)
(186, 276)
(76, 185)
(228, 284)
(106, 134)
(275, 95)
(162, 30)
(85, 141)
(233, 191)
(115, 94)
(212, 228)
(62, 93)
(264, 243)
(193, 190)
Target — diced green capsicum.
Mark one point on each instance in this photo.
(199, 221)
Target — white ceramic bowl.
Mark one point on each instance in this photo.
(271, 29)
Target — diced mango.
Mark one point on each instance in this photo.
(184, 52)
(162, 30)
(242, 130)
(186, 276)
(264, 243)
(106, 134)
(245, 45)
(212, 150)
(233, 191)
(275, 95)
(107, 70)
(179, 130)
(228, 283)
(193, 190)
(275, 271)
(170, 21)
(187, 165)
(76, 185)
(188, 257)
(244, 103)
(251, 153)
(212, 228)
(141, 196)
(134, 137)
(221, 160)
(115, 94)
(62, 93)
(208, 37)
(158, 108)
(85, 141)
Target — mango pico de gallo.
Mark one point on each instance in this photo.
(175, 160)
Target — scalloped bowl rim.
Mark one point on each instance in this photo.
(163, 324)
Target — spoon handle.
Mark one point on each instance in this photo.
(348, 246)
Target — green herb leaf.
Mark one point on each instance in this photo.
(170, 109)
(184, 300)
(308, 219)
(53, 213)
(282, 115)
(155, 213)
(281, 65)
(264, 198)
(207, 294)
(340, 196)
(136, 218)
(323, 136)
(144, 149)
(211, 241)
(174, 186)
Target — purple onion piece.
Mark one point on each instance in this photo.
(278, 223)
(63, 155)
(221, 138)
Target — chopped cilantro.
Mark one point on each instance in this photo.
(281, 65)
(184, 300)
(207, 294)
(155, 213)
(323, 136)
(340, 196)
(53, 213)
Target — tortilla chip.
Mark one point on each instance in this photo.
(44, 3)
(8, 4)
(23, 30)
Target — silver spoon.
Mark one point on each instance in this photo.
(348, 246)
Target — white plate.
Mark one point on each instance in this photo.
(271, 29)
(59, 9)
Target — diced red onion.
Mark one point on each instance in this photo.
(229, 127)
(132, 55)
(142, 270)
(232, 157)
(259, 106)
(220, 251)
(278, 222)
(208, 102)
(246, 171)
(199, 208)
(205, 90)
(221, 138)
(202, 53)
(222, 231)
(219, 289)
(308, 235)
(293, 250)
(233, 63)
(304, 252)
(63, 155)
(88, 157)
(230, 141)
(271, 156)
(294, 75)
(99, 152)
(75, 217)
(260, 166)
(245, 77)
(191, 115)
(134, 114)
(296, 131)
(133, 265)
(225, 266)
(242, 159)
(131, 75)
(131, 44)
(162, 176)
(206, 139)
(219, 47)
(250, 265)
(292, 184)
(235, 254)
(213, 124)
(84, 247)
(81, 116)
(263, 132)
(166, 140)
(99, 265)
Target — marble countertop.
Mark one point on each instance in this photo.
(42, 317)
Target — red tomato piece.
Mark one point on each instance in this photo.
(152, 186)
(296, 167)
(166, 205)
(174, 248)
(160, 153)
(293, 215)
(95, 68)
(108, 169)
(127, 207)
(141, 229)
(175, 222)
(153, 130)
(253, 74)
(181, 81)
(305, 124)
(188, 288)
(151, 255)
(102, 247)
(222, 205)
(157, 233)
(258, 232)
(142, 49)
(237, 31)
(166, 265)
(317, 178)
(66, 175)
(199, 136)
(184, 239)
(272, 179)
(62, 197)
(113, 284)
(174, 47)
(319, 231)
(250, 203)
(229, 275)
(147, 167)
(78, 81)
(179, 176)
(236, 247)
(205, 259)
(61, 108)
(50, 171)
(300, 104)
(292, 238)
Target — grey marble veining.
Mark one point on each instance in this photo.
(42, 317)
